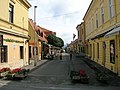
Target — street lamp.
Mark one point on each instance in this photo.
(35, 61)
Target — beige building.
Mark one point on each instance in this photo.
(81, 38)
(73, 46)
(14, 30)
(102, 24)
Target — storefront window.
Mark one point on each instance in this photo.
(112, 51)
(3, 54)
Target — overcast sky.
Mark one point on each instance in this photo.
(60, 16)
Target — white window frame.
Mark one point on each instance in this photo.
(96, 15)
(102, 14)
(111, 9)
(92, 23)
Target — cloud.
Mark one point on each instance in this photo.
(61, 16)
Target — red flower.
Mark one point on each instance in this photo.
(16, 70)
(82, 72)
(5, 69)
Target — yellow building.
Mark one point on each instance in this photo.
(102, 24)
(14, 30)
(73, 46)
(37, 43)
(81, 37)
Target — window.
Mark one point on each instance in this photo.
(92, 24)
(112, 51)
(98, 50)
(21, 52)
(96, 20)
(102, 14)
(3, 54)
(30, 51)
(38, 32)
(111, 10)
(11, 8)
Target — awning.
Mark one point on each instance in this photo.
(42, 39)
(101, 35)
(115, 31)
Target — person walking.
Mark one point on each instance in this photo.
(70, 55)
(61, 55)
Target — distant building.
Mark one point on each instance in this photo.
(82, 45)
(38, 37)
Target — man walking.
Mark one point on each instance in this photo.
(70, 55)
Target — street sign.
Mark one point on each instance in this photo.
(1, 40)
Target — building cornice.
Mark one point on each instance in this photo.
(12, 33)
(88, 9)
(25, 2)
(12, 24)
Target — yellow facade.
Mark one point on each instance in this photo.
(31, 44)
(101, 18)
(14, 28)
(81, 38)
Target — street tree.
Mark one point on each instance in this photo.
(55, 41)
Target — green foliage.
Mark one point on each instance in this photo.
(55, 41)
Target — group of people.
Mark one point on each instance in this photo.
(52, 55)
(69, 53)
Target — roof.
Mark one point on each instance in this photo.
(46, 31)
(88, 9)
(26, 3)
(43, 39)
(37, 28)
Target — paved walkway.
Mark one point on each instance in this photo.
(32, 67)
(113, 78)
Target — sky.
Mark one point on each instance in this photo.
(60, 16)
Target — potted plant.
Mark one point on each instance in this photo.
(18, 73)
(4, 72)
(101, 76)
(83, 76)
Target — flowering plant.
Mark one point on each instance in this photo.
(18, 73)
(4, 70)
(17, 70)
(82, 72)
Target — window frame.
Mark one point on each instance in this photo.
(102, 14)
(11, 13)
(111, 9)
(22, 52)
(96, 20)
(112, 51)
(4, 54)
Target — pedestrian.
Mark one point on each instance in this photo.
(52, 55)
(70, 55)
(61, 55)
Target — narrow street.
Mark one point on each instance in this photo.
(54, 75)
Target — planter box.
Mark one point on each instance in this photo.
(100, 76)
(3, 74)
(79, 76)
(17, 74)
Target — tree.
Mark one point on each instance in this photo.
(55, 41)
